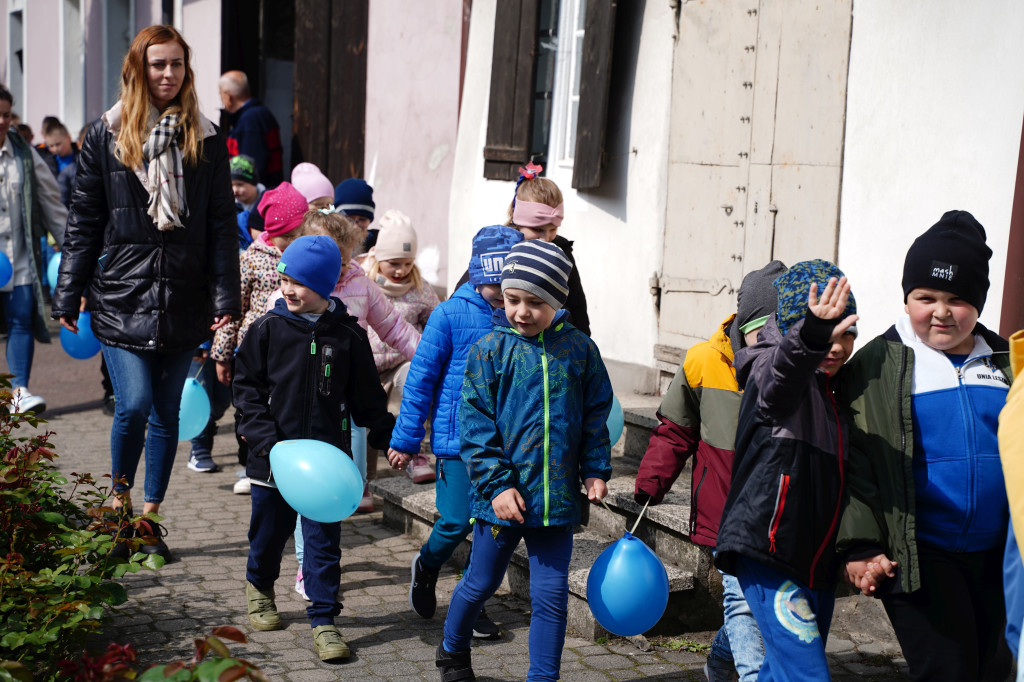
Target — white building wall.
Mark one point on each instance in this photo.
(618, 231)
(412, 113)
(934, 111)
(201, 22)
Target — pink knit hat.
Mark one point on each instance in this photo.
(313, 184)
(282, 209)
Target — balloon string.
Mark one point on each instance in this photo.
(201, 365)
(642, 512)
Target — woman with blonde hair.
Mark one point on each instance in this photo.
(151, 244)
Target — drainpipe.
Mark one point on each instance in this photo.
(1012, 311)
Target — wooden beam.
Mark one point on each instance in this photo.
(312, 75)
(346, 142)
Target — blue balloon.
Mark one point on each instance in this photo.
(317, 479)
(627, 589)
(194, 412)
(52, 270)
(6, 271)
(82, 345)
(616, 421)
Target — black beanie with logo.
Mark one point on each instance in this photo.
(951, 256)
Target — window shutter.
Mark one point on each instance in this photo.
(595, 83)
(511, 99)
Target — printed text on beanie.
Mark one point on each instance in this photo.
(490, 249)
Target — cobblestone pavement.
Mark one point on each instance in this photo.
(204, 588)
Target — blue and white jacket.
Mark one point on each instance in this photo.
(958, 478)
(534, 417)
(434, 385)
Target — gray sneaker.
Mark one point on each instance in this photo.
(329, 644)
(263, 613)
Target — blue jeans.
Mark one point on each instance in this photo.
(148, 390)
(270, 525)
(452, 499)
(794, 622)
(738, 641)
(549, 550)
(19, 309)
(359, 449)
(220, 398)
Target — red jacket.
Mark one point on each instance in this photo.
(698, 418)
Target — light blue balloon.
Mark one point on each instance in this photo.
(616, 421)
(6, 271)
(317, 479)
(627, 589)
(82, 345)
(52, 270)
(194, 413)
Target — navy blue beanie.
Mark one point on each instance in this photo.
(313, 261)
(354, 197)
(490, 248)
(540, 268)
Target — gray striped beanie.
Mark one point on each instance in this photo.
(540, 268)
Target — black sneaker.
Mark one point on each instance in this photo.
(120, 527)
(454, 667)
(152, 534)
(484, 627)
(421, 590)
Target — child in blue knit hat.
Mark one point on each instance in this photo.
(273, 367)
(535, 401)
(779, 525)
(433, 390)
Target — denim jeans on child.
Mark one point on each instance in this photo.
(271, 524)
(549, 550)
(794, 622)
(19, 310)
(452, 499)
(148, 388)
(359, 449)
(205, 371)
(738, 641)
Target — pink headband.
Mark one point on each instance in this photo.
(536, 214)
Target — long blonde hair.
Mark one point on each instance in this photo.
(135, 100)
(345, 233)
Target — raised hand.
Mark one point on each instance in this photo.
(832, 303)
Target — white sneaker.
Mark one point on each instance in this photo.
(242, 486)
(26, 402)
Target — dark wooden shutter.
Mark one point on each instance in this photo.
(595, 82)
(510, 111)
(330, 86)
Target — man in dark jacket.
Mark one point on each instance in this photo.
(779, 525)
(254, 130)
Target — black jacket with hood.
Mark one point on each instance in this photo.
(787, 474)
(300, 379)
(147, 289)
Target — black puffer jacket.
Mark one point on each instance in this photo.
(147, 289)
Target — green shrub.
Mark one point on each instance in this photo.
(56, 536)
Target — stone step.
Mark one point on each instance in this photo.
(409, 507)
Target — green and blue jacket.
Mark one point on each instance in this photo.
(533, 417)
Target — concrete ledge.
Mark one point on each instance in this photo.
(409, 508)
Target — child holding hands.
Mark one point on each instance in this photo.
(433, 391)
(926, 524)
(535, 400)
(779, 524)
(282, 394)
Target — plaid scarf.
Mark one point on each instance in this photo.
(165, 172)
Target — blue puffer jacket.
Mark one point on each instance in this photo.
(434, 384)
(533, 417)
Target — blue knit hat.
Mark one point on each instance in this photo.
(490, 248)
(313, 261)
(354, 197)
(540, 268)
(795, 284)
